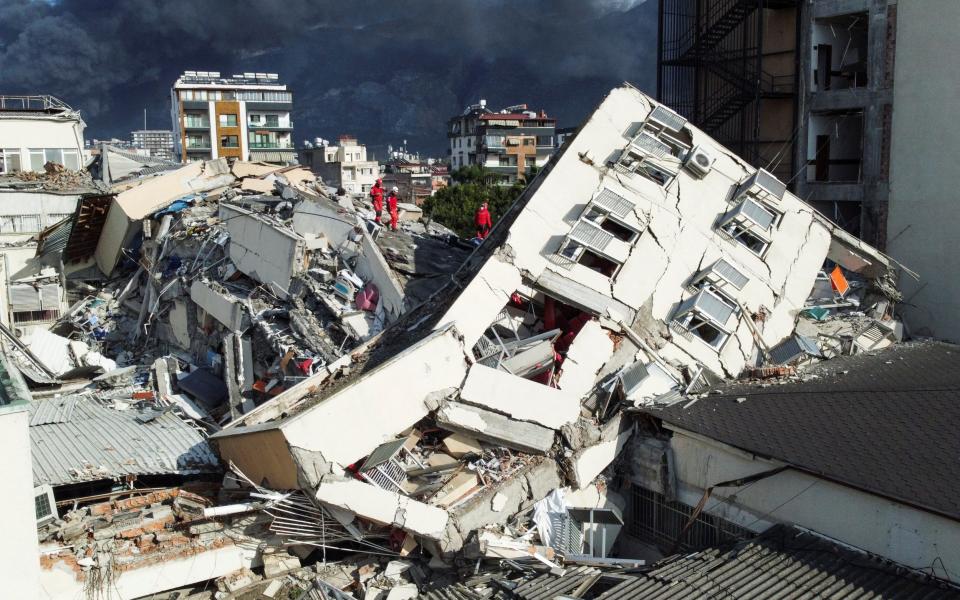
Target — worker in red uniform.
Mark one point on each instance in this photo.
(484, 221)
(392, 207)
(376, 193)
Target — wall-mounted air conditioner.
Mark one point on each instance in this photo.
(699, 161)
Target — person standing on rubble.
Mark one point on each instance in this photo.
(376, 193)
(484, 221)
(392, 207)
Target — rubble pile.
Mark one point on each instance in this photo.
(54, 177)
(380, 414)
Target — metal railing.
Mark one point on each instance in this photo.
(32, 103)
(270, 146)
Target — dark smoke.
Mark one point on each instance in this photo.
(383, 70)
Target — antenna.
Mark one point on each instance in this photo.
(144, 118)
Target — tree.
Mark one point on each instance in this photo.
(456, 205)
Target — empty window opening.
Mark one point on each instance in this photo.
(610, 225)
(742, 234)
(839, 58)
(835, 147)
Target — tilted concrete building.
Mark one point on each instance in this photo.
(646, 260)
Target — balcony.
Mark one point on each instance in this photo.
(269, 126)
(270, 146)
(194, 124)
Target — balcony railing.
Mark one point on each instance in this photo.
(196, 124)
(270, 146)
(269, 125)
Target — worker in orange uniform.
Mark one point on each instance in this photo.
(376, 193)
(392, 207)
(484, 221)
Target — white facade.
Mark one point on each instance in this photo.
(349, 159)
(655, 264)
(37, 130)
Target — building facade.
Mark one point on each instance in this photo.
(246, 116)
(158, 142)
(509, 143)
(35, 130)
(344, 165)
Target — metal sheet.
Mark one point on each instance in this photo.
(614, 203)
(591, 236)
(100, 442)
(730, 273)
(666, 117)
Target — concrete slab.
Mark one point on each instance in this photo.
(520, 398)
(495, 428)
(384, 507)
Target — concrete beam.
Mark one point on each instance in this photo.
(519, 398)
(384, 507)
(495, 428)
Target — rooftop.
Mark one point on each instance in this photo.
(890, 415)
(33, 104)
(215, 79)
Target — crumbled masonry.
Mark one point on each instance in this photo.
(343, 411)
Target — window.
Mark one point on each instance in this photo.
(228, 120)
(255, 119)
(71, 159)
(608, 210)
(196, 120)
(528, 141)
(10, 160)
(273, 121)
(36, 159)
(704, 316)
(229, 141)
(587, 245)
(738, 233)
(545, 140)
(197, 141)
(19, 223)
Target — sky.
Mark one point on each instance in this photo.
(383, 70)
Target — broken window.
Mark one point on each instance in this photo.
(704, 316)
(835, 146)
(840, 52)
(589, 245)
(19, 223)
(748, 225)
(609, 210)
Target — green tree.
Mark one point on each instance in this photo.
(455, 206)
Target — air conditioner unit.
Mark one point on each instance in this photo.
(699, 161)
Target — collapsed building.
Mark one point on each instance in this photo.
(374, 393)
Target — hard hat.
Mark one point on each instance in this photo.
(394, 189)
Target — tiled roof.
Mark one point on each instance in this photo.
(76, 438)
(884, 422)
(784, 562)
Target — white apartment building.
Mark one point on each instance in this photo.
(157, 142)
(35, 130)
(246, 116)
(344, 165)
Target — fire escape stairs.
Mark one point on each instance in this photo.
(719, 29)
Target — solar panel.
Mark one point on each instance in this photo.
(613, 203)
(590, 236)
(666, 117)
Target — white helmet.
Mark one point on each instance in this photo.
(394, 189)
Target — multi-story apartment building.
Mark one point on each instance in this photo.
(838, 100)
(35, 130)
(158, 142)
(344, 165)
(508, 143)
(246, 116)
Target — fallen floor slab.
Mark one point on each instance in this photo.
(520, 398)
(495, 428)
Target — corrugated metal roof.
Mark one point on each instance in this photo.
(784, 562)
(550, 586)
(76, 438)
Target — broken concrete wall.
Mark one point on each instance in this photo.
(372, 266)
(147, 197)
(219, 304)
(260, 452)
(384, 507)
(589, 462)
(320, 217)
(343, 428)
(520, 398)
(263, 250)
(495, 428)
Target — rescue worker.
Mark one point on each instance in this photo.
(376, 193)
(484, 221)
(392, 207)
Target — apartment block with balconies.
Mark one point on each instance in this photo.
(246, 116)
